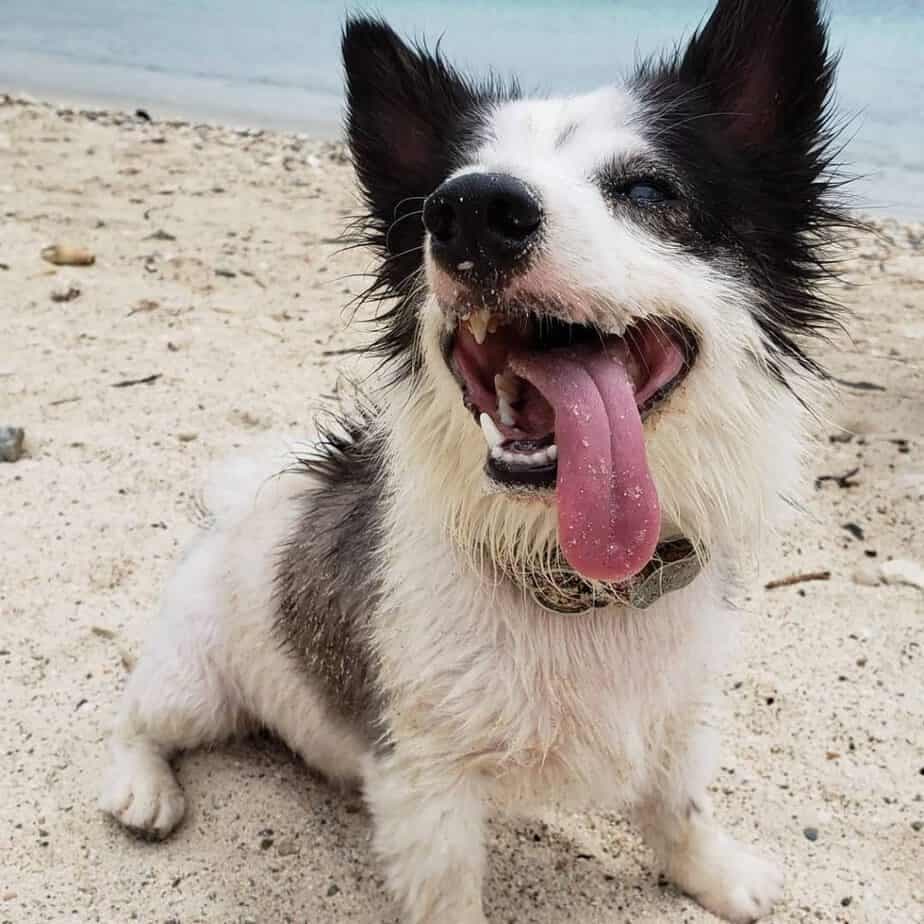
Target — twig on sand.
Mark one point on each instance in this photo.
(147, 380)
(798, 579)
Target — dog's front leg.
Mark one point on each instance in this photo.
(698, 855)
(428, 834)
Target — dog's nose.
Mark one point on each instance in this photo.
(482, 222)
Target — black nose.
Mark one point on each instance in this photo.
(483, 223)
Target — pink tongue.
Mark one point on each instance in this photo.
(608, 512)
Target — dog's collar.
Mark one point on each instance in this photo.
(559, 589)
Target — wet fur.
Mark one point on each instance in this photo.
(353, 601)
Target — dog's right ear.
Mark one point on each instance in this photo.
(407, 115)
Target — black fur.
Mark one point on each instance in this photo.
(742, 118)
(410, 120)
(327, 578)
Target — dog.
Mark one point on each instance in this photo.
(501, 579)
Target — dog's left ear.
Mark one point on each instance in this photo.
(407, 115)
(765, 66)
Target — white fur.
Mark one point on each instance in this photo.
(212, 668)
(493, 703)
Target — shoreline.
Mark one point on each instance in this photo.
(77, 85)
(118, 111)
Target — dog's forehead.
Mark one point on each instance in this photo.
(584, 131)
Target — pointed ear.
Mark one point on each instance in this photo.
(406, 114)
(764, 65)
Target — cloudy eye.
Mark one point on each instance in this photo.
(643, 190)
(647, 192)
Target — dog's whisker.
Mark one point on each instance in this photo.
(397, 222)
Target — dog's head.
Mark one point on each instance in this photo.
(599, 300)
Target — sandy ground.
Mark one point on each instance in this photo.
(215, 271)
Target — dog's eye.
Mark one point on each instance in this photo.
(642, 191)
(647, 192)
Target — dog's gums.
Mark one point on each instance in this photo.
(561, 406)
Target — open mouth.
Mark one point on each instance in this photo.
(561, 407)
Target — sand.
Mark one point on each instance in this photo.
(216, 278)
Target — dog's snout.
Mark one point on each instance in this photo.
(482, 222)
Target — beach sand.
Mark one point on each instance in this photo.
(216, 276)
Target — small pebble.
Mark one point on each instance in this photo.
(845, 901)
(867, 575)
(287, 848)
(855, 530)
(187, 436)
(917, 825)
(65, 294)
(64, 255)
(11, 440)
(266, 843)
(811, 834)
(332, 889)
(145, 305)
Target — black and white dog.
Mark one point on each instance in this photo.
(501, 584)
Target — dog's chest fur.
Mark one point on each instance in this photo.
(477, 675)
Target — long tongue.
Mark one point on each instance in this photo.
(608, 512)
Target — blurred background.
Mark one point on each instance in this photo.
(274, 63)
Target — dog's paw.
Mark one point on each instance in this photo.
(744, 890)
(729, 880)
(142, 793)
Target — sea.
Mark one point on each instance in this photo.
(274, 63)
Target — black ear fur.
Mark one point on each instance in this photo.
(743, 113)
(409, 119)
(765, 65)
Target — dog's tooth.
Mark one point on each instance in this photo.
(505, 410)
(539, 458)
(552, 453)
(497, 453)
(492, 435)
(478, 324)
(507, 388)
(509, 457)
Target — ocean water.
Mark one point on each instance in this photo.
(275, 62)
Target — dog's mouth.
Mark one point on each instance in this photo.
(562, 406)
